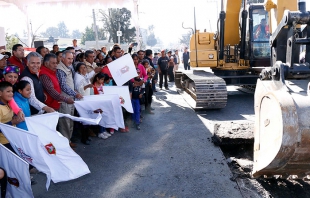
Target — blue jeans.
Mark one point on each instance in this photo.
(136, 110)
(101, 129)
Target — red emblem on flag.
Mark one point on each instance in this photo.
(122, 100)
(13, 181)
(50, 148)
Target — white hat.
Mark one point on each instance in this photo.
(3, 56)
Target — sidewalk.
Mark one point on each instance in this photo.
(171, 156)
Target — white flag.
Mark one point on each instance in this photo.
(123, 93)
(17, 170)
(64, 163)
(112, 115)
(122, 69)
(28, 147)
(87, 121)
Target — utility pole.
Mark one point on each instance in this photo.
(95, 29)
(119, 36)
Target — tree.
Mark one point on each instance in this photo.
(76, 34)
(118, 19)
(51, 31)
(185, 38)
(10, 41)
(151, 40)
(63, 30)
(89, 35)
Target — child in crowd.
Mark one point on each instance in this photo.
(98, 83)
(21, 95)
(6, 113)
(136, 93)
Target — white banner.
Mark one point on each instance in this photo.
(123, 93)
(17, 170)
(64, 163)
(112, 114)
(122, 69)
(28, 147)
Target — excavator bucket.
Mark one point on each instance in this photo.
(282, 129)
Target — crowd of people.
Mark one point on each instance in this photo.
(47, 81)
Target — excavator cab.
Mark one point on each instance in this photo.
(259, 48)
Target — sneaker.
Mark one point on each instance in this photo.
(167, 88)
(102, 136)
(106, 134)
(138, 127)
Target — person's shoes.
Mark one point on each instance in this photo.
(141, 116)
(106, 134)
(167, 88)
(161, 88)
(92, 134)
(126, 128)
(87, 142)
(123, 131)
(72, 145)
(138, 127)
(102, 136)
(111, 131)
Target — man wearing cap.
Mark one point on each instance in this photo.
(18, 58)
(2, 64)
(186, 59)
(163, 69)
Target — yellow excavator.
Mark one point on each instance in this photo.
(236, 54)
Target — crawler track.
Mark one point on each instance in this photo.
(208, 90)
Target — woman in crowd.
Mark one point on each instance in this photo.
(100, 60)
(148, 87)
(85, 88)
(10, 74)
(79, 59)
(81, 82)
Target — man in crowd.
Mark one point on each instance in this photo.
(91, 66)
(117, 52)
(163, 69)
(176, 61)
(55, 49)
(42, 51)
(2, 64)
(185, 60)
(50, 83)
(65, 75)
(140, 55)
(75, 46)
(18, 58)
(31, 74)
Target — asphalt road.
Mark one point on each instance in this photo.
(171, 156)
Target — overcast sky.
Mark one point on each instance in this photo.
(166, 15)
